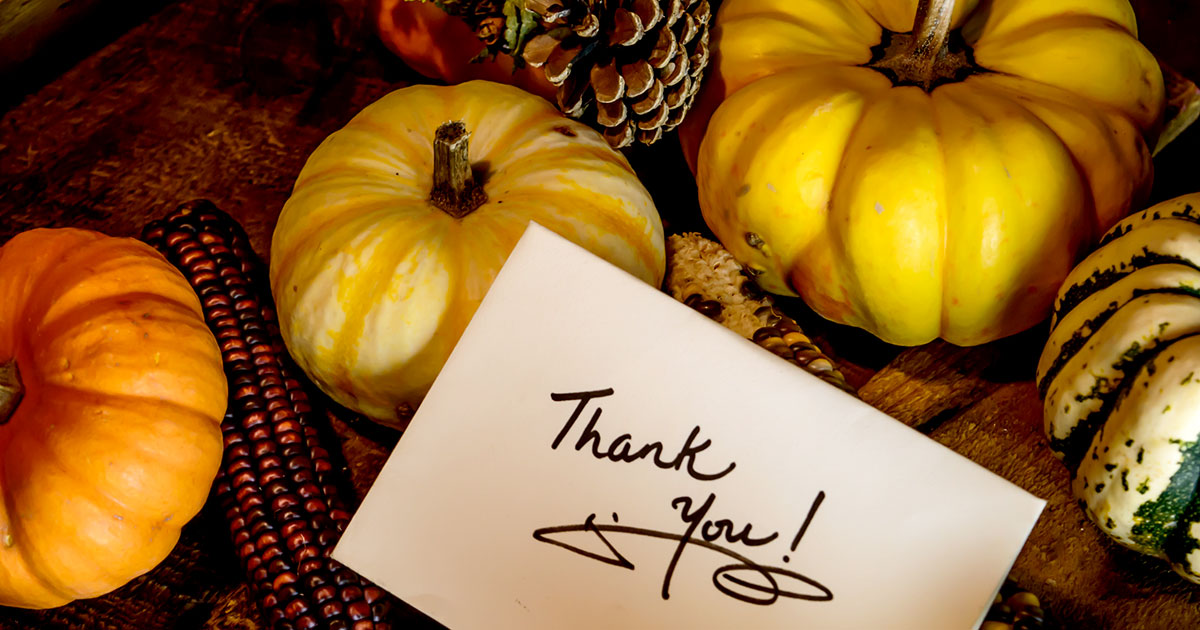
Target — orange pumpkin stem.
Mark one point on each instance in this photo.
(455, 190)
(11, 390)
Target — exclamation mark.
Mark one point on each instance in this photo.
(812, 511)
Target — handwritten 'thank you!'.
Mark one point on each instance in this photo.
(744, 579)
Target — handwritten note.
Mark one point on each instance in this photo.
(597, 455)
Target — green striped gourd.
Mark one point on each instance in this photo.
(1120, 379)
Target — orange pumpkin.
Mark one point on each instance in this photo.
(441, 46)
(111, 397)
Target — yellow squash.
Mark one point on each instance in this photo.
(384, 250)
(928, 181)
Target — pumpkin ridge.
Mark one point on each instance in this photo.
(1102, 279)
(798, 21)
(98, 258)
(16, 529)
(68, 321)
(1049, 24)
(1068, 99)
(1187, 213)
(349, 339)
(1075, 445)
(561, 219)
(37, 563)
(1092, 212)
(132, 404)
(838, 239)
(947, 204)
(305, 234)
(1072, 346)
(517, 164)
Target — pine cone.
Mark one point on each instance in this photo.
(630, 67)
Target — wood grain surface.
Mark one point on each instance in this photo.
(195, 102)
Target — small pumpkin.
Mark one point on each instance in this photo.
(938, 183)
(442, 46)
(397, 226)
(111, 399)
(1120, 378)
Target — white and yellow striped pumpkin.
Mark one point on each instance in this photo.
(1120, 378)
(374, 283)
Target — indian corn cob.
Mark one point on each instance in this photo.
(277, 485)
(704, 275)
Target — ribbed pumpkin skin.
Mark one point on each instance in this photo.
(953, 213)
(117, 440)
(374, 285)
(1120, 377)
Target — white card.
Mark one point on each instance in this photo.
(703, 483)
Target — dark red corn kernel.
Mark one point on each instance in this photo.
(287, 591)
(291, 527)
(352, 593)
(283, 579)
(344, 576)
(292, 450)
(382, 609)
(285, 501)
(332, 608)
(310, 565)
(272, 554)
(258, 520)
(299, 539)
(251, 499)
(364, 624)
(310, 551)
(307, 622)
(373, 594)
(359, 610)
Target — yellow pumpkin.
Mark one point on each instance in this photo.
(112, 392)
(390, 239)
(933, 183)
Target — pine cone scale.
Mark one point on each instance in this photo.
(639, 77)
(629, 67)
(607, 82)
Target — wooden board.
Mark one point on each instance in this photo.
(178, 108)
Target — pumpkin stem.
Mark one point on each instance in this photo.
(931, 30)
(928, 56)
(455, 190)
(11, 389)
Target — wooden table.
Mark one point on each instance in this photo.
(177, 108)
